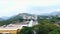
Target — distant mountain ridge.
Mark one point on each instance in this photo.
(55, 13)
(13, 19)
(52, 13)
(18, 16)
(1, 19)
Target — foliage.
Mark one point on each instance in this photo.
(56, 31)
(26, 30)
(44, 28)
(11, 20)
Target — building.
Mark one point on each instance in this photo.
(10, 29)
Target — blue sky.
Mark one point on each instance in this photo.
(13, 7)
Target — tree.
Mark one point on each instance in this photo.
(26, 30)
(56, 31)
(45, 28)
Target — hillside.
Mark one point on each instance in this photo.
(13, 19)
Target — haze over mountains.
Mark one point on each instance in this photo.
(1, 19)
(14, 17)
(17, 18)
(55, 13)
(4, 18)
(52, 13)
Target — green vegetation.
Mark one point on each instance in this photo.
(45, 26)
(14, 19)
(26, 30)
(56, 31)
(11, 20)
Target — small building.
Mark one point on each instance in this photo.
(8, 31)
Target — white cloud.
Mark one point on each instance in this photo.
(11, 7)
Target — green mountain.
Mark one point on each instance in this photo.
(14, 19)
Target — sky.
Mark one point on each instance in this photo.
(13, 7)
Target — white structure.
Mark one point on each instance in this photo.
(29, 17)
(30, 23)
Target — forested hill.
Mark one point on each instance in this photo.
(15, 18)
